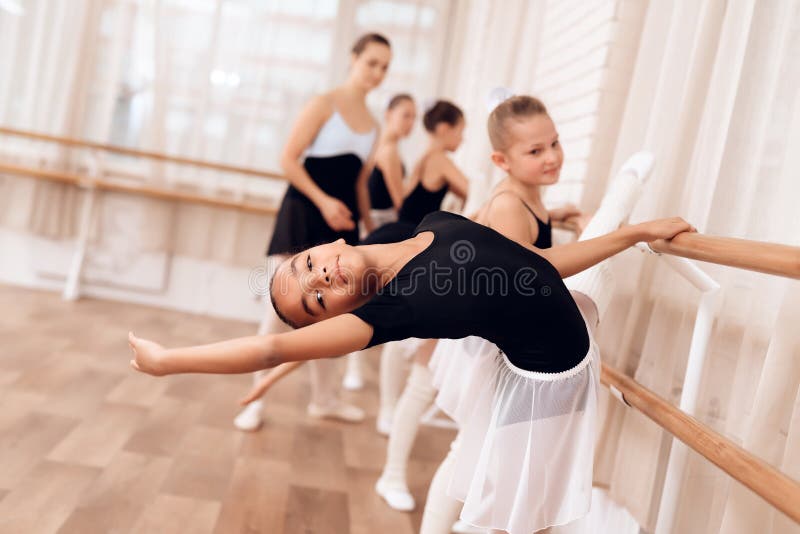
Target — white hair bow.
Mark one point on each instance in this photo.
(497, 96)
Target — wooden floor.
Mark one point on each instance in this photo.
(89, 446)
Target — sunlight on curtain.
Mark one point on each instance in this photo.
(207, 79)
(714, 95)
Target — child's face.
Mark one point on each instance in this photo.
(451, 136)
(401, 118)
(534, 155)
(321, 282)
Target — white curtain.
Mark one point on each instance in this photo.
(714, 95)
(711, 88)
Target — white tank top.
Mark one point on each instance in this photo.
(336, 138)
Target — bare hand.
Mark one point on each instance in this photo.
(578, 222)
(664, 228)
(148, 356)
(565, 212)
(369, 225)
(336, 214)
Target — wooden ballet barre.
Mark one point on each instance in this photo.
(769, 483)
(769, 258)
(140, 153)
(137, 189)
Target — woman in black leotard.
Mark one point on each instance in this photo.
(433, 176)
(334, 136)
(327, 159)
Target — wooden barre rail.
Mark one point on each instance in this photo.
(769, 258)
(140, 153)
(773, 486)
(163, 193)
(138, 189)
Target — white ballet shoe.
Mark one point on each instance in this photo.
(396, 496)
(383, 424)
(249, 419)
(639, 164)
(352, 381)
(340, 411)
(460, 527)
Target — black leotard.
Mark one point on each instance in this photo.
(333, 161)
(544, 237)
(421, 202)
(473, 281)
(379, 197)
(416, 206)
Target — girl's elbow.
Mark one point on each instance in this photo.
(551, 259)
(288, 161)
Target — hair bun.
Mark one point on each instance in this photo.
(497, 96)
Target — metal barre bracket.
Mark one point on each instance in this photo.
(618, 394)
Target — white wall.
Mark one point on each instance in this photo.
(179, 283)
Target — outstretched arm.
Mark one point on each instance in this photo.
(575, 257)
(327, 339)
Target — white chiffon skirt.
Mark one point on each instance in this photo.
(383, 216)
(527, 439)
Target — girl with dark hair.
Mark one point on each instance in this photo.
(454, 278)
(385, 192)
(386, 180)
(433, 176)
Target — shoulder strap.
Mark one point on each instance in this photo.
(518, 198)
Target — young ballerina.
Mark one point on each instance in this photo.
(475, 384)
(436, 284)
(386, 181)
(327, 159)
(454, 278)
(385, 190)
(433, 176)
(515, 209)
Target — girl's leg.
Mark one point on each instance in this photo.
(618, 203)
(325, 402)
(441, 510)
(416, 398)
(250, 417)
(353, 380)
(391, 374)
